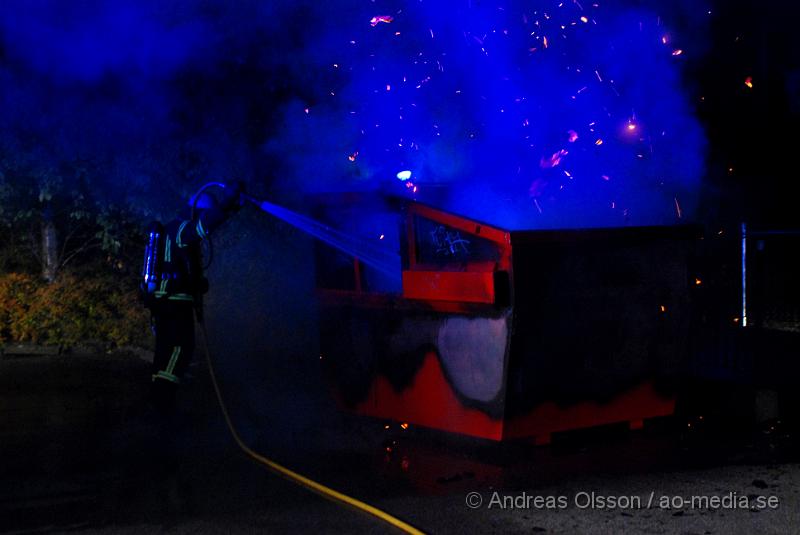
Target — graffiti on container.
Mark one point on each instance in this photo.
(449, 243)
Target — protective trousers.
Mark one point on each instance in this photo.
(174, 327)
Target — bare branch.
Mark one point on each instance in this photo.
(88, 246)
(70, 234)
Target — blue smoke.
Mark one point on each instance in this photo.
(491, 120)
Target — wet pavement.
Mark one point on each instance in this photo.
(79, 452)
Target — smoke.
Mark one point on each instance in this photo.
(516, 112)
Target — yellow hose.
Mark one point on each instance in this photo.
(301, 480)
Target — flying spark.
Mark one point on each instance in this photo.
(374, 21)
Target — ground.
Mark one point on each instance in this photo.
(79, 452)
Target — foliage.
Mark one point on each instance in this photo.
(70, 311)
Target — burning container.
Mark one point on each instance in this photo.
(505, 334)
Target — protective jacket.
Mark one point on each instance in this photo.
(182, 270)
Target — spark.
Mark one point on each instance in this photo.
(598, 142)
(678, 209)
(374, 21)
(749, 82)
(353, 156)
(554, 160)
(573, 136)
(677, 52)
(584, 20)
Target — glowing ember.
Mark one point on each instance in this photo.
(573, 136)
(353, 156)
(677, 52)
(404, 425)
(554, 160)
(749, 82)
(374, 21)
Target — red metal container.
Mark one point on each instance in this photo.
(506, 334)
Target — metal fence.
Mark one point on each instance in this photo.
(771, 278)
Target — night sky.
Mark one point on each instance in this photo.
(752, 132)
(527, 114)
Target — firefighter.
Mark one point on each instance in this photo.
(176, 295)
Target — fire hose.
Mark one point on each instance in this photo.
(299, 479)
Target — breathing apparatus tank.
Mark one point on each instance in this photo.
(152, 268)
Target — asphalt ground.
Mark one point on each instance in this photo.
(80, 452)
